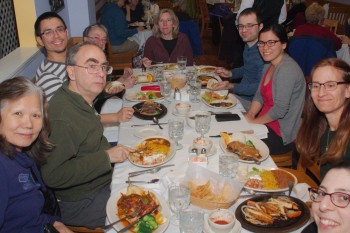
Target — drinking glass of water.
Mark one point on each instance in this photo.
(165, 90)
(202, 122)
(195, 90)
(228, 165)
(182, 62)
(179, 199)
(191, 221)
(176, 131)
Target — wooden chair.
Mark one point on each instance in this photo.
(283, 160)
(74, 40)
(164, 4)
(119, 60)
(85, 230)
(340, 13)
(305, 164)
(205, 19)
(332, 24)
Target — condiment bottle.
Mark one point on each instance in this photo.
(177, 94)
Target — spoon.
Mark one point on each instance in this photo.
(155, 120)
(147, 182)
(290, 188)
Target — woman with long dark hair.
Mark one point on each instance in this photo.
(324, 134)
(278, 102)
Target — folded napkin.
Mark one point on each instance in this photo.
(300, 191)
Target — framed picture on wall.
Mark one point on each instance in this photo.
(56, 5)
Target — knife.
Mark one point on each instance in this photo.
(243, 131)
(148, 124)
(155, 169)
(137, 220)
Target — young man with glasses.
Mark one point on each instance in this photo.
(51, 33)
(249, 25)
(330, 206)
(79, 168)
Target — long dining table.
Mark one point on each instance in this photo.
(127, 132)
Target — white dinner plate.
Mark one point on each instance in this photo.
(290, 175)
(230, 99)
(132, 96)
(112, 210)
(206, 69)
(260, 145)
(169, 157)
(147, 132)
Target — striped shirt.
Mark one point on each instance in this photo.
(50, 76)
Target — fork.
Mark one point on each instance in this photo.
(152, 170)
(132, 215)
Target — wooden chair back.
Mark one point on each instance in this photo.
(85, 230)
(332, 24)
(74, 40)
(119, 60)
(340, 13)
(304, 165)
(165, 4)
(205, 18)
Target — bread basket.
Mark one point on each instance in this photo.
(211, 205)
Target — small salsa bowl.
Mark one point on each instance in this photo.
(222, 220)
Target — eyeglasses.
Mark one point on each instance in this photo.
(338, 199)
(328, 86)
(94, 69)
(269, 43)
(50, 32)
(98, 39)
(248, 26)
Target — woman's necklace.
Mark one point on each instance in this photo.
(327, 140)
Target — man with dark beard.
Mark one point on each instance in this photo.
(51, 33)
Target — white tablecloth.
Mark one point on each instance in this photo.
(126, 137)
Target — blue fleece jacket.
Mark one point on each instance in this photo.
(250, 73)
(21, 200)
(113, 18)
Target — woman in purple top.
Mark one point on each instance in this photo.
(24, 143)
(167, 43)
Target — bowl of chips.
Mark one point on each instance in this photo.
(210, 191)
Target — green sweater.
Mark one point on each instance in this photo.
(79, 165)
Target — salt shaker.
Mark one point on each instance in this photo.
(177, 94)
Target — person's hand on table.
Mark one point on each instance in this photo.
(249, 117)
(119, 153)
(345, 39)
(61, 228)
(146, 62)
(222, 72)
(224, 85)
(125, 114)
(140, 28)
(115, 89)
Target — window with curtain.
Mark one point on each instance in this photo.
(8, 28)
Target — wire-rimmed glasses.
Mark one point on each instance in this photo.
(328, 86)
(94, 69)
(338, 199)
(50, 33)
(240, 27)
(269, 43)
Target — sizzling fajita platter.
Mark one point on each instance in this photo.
(272, 213)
